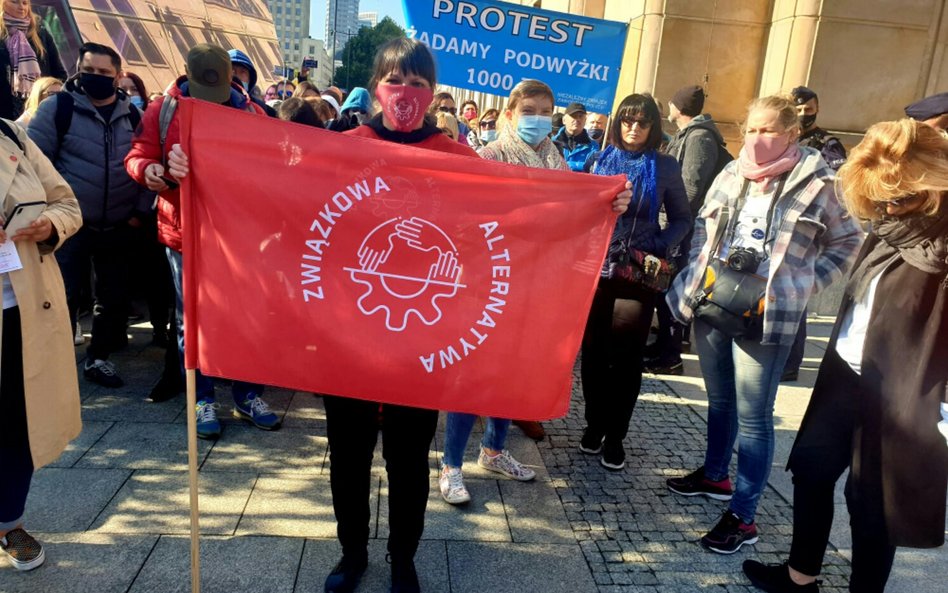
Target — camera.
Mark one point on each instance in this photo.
(744, 259)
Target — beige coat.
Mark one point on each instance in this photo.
(49, 360)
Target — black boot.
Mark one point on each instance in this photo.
(404, 577)
(347, 574)
(775, 578)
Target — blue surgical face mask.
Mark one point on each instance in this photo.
(532, 129)
(488, 136)
(137, 101)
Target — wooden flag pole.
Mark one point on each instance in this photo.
(193, 481)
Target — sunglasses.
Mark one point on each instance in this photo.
(451, 110)
(488, 125)
(898, 202)
(631, 121)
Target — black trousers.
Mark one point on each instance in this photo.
(821, 454)
(613, 349)
(16, 463)
(109, 254)
(353, 427)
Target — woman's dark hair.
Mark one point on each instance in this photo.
(404, 55)
(300, 111)
(642, 106)
(139, 85)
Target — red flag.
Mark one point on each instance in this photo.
(356, 267)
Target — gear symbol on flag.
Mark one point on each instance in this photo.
(406, 266)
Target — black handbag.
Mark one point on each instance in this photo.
(730, 300)
(635, 267)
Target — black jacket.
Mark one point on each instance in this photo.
(898, 449)
(50, 65)
(696, 147)
(831, 149)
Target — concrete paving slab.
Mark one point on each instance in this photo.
(482, 519)
(81, 563)
(477, 567)
(159, 502)
(140, 445)
(288, 450)
(115, 406)
(91, 433)
(296, 506)
(320, 556)
(228, 565)
(535, 513)
(69, 500)
(306, 410)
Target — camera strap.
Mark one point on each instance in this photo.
(728, 224)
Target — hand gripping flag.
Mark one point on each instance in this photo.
(368, 269)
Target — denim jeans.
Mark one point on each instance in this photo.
(16, 462)
(741, 378)
(205, 385)
(458, 431)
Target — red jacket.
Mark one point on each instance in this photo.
(437, 141)
(146, 149)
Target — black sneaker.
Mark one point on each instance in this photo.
(24, 552)
(591, 443)
(404, 577)
(613, 455)
(102, 372)
(167, 387)
(775, 578)
(345, 577)
(696, 484)
(730, 534)
(666, 365)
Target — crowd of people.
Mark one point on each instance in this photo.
(725, 253)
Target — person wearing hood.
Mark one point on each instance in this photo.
(700, 150)
(572, 140)
(356, 110)
(160, 167)
(773, 227)
(89, 152)
(246, 75)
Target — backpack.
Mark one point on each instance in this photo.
(65, 104)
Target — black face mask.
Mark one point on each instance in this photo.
(97, 86)
(807, 121)
(596, 135)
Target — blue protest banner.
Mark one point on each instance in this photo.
(490, 46)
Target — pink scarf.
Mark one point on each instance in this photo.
(747, 168)
(23, 60)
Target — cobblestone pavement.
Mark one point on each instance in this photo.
(634, 533)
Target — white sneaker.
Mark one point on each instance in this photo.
(78, 339)
(504, 463)
(452, 486)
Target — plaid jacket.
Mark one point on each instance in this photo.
(816, 243)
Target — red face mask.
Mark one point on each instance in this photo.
(404, 106)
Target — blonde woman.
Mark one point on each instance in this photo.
(773, 228)
(881, 389)
(27, 52)
(448, 124)
(42, 89)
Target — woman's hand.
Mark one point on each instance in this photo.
(38, 231)
(623, 198)
(153, 180)
(178, 162)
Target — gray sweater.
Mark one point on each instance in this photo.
(92, 158)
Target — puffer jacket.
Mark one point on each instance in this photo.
(575, 150)
(146, 150)
(91, 158)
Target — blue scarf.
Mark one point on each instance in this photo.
(640, 169)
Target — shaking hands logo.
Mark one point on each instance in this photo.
(406, 266)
